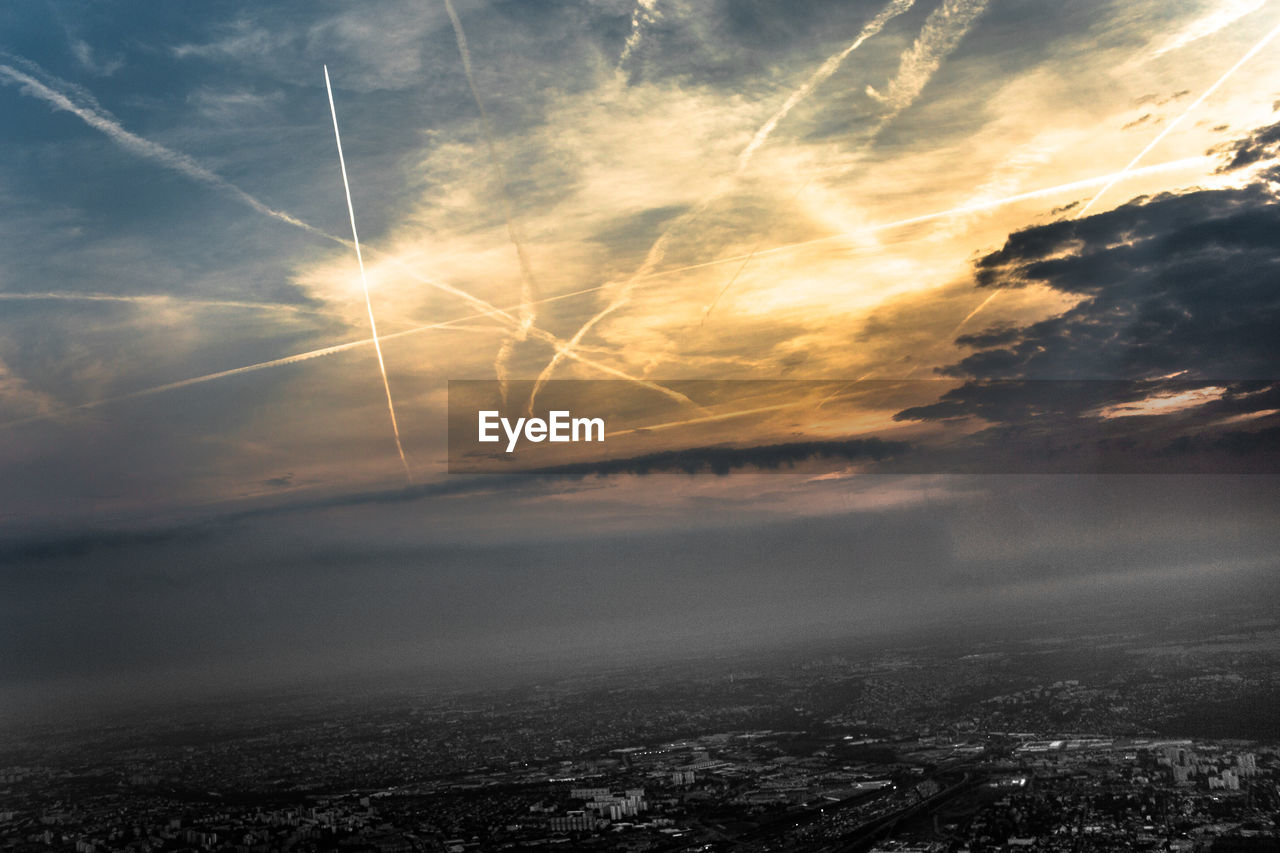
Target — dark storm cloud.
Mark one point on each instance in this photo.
(1179, 295)
(1177, 283)
(1171, 282)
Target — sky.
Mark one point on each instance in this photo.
(1029, 250)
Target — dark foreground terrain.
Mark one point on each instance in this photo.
(1158, 736)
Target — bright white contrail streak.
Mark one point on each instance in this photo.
(91, 113)
(491, 312)
(455, 324)
(1252, 52)
(528, 284)
(364, 282)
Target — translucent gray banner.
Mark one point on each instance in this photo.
(611, 427)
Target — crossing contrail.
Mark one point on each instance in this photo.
(976, 207)
(89, 111)
(1250, 54)
(528, 283)
(364, 282)
(943, 30)
(234, 371)
(658, 250)
(491, 311)
(455, 324)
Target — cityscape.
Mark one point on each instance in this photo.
(1163, 737)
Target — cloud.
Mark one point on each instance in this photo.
(64, 96)
(645, 13)
(227, 107)
(1169, 350)
(18, 397)
(723, 460)
(83, 54)
(658, 250)
(378, 46)
(1178, 282)
(1261, 144)
(821, 75)
(943, 30)
(1220, 17)
(34, 546)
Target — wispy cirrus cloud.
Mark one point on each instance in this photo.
(941, 34)
(643, 15)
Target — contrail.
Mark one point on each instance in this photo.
(943, 30)
(1225, 15)
(492, 312)
(364, 282)
(234, 371)
(100, 119)
(1129, 169)
(454, 324)
(824, 72)
(645, 12)
(92, 114)
(162, 299)
(745, 261)
(528, 284)
(974, 313)
(974, 207)
(1250, 54)
(659, 248)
